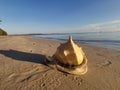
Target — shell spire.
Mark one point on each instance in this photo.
(70, 40)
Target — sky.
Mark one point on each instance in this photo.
(59, 16)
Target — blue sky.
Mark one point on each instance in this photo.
(58, 16)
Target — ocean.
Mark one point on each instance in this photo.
(101, 39)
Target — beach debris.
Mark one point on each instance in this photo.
(69, 58)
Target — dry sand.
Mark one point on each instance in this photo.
(22, 67)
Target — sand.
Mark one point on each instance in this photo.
(22, 66)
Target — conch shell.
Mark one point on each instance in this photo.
(70, 58)
(69, 53)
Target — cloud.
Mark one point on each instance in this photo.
(104, 27)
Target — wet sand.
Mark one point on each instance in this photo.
(22, 66)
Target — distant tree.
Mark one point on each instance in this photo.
(0, 21)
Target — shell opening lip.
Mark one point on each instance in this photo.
(71, 69)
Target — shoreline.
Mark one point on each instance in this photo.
(110, 44)
(96, 43)
(22, 66)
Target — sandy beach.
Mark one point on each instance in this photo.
(22, 66)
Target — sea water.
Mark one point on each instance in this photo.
(102, 39)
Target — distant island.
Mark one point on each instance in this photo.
(62, 33)
(2, 32)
